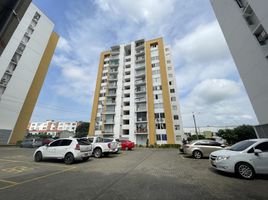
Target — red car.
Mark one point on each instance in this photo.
(127, 145)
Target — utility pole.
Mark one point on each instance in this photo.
(195, 126)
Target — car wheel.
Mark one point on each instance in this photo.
(85, 159)
(38, 156)
(69, 158)
(197, 154)
(97, 153)
(245, 170)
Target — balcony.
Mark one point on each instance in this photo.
(111, 94)
(140, 73)
(139, 46)
(109, 122)
(110, 102)
(112, 78)
(109, 112)
(141, 128)
(140, 82)
(112, 86)
(140, 52)
(113, 71)
(140, 99)
(141, 108)
(140, 66)
(139, 91)
(140, 59)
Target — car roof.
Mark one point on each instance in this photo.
(259, 139)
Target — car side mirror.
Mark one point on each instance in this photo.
(257, 151)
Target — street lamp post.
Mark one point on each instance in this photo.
(195, 126)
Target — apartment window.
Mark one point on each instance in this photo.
(169, 68)
(127, 66)
(174, 107)
(156, 72)
(127, 95)
(155, 58)
(154, 45)
(128, 59)
(166, 49)
(155, 65)
(156, 80)
(176, 117)
(173, 98)
(155, 88)
(170, 75)
(126, 112)
(125, 122)
(160, 126)
(164, 137)
(158, 105)
(127, 103)
(170, 83)
(168, 61)
(177, 127)
(158, 137)
(127, 87)
(172, 90)
(127, 73)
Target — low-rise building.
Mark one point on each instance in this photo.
(52, 127)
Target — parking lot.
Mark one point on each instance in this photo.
(138, 174)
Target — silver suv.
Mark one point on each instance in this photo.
(201, 148)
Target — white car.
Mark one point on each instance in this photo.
(245, 158)
(68, 149)
(100, 146)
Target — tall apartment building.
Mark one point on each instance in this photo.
(27, 44)
(136, 95)
(245, 25)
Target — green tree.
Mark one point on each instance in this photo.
(237, 134)
(82, 130)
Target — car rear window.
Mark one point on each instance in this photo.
(83, 141)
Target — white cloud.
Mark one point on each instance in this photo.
(205, 44)
(212, 91)
(63, 45)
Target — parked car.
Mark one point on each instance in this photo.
(127, 145)
(31, 143)
(102, 147)
(201, 148)
(245, 158)
(68, 149)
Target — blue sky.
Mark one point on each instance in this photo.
(207, 78)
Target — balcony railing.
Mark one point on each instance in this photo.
(111, 94)
(140, 82)
(140, 99)
(110, 102)
(140, 73)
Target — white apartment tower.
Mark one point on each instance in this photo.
(245, 25)
(136, 95)
(27, 43)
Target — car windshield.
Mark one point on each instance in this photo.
(240, 146)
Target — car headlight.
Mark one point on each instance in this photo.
(223, 157)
